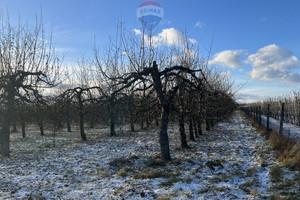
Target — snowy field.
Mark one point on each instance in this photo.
(230, 162)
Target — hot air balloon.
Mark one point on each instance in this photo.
(150, 14)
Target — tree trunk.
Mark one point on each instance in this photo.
(212, 123)
(142, 124)
(191, 129)
(112, 117)
(15, 127)
(156, 122)
(207, 124)
(147, 122)
(182, 131)
(92, 123)
(68, 117)
(81, 117)
(199, 126)
(4, 138)
(132, 126)
(23, 129)
(131, 113)
(195, 127)
(112, 127)
(163, 135)
(41, 126)
(81, 124)
(69, 125)
(8, 116)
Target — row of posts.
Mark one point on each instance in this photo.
(256, 113)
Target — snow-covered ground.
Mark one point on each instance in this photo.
(230, 162)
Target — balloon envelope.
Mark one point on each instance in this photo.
(150, 14)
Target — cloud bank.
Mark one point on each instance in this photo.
(270, 63)
(273, 63)
(229, 58)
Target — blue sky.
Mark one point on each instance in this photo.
(257, 41)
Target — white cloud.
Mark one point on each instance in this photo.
(137, 31)
(192, 40)
(168, 37)
(226, 74)
(249, 98)
(229, 58)
(273, 63)
(199, 24)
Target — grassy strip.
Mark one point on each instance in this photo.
(287, 150)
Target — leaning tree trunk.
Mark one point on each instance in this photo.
(163, 135)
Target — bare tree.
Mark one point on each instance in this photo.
(110, 66)
(83, 91)
(28, 63)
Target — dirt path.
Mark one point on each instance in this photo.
(230, 162)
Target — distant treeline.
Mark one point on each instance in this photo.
(291, 103)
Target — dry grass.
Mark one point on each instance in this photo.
(287, 150)
(124, 171)
(122, 162)
(167, 196)
(246, 187)
(250, 172)
(103, 174)
(170, 182)
(276, 173)
(173, 195)
(150, 175)
(154, 162)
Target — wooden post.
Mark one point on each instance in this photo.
(259, 115)
(256, 113)
(281, 118)
(268, 118)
